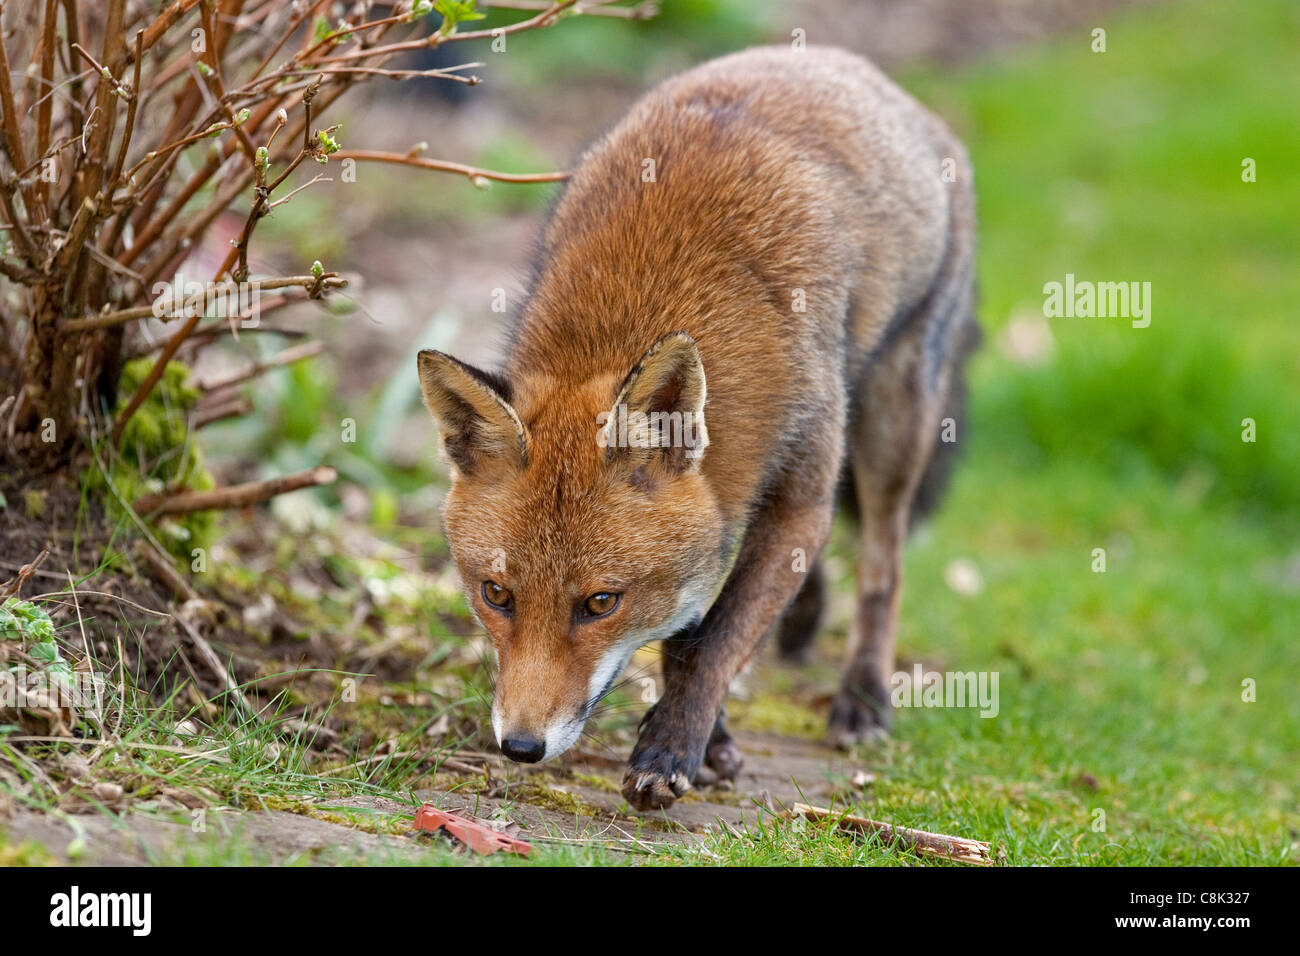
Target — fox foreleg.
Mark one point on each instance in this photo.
(782, 542)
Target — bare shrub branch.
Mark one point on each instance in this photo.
(97, 205)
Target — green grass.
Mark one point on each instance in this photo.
(1121, 691)
(1126, 165)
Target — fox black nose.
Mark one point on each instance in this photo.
(523, 749)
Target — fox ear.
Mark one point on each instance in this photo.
(660, 408)
(477, 423)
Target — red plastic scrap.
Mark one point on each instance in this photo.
(475, 835)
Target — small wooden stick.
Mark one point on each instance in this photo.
(205, 337)
(287, 357)
(197, 303)
(219, 411)
(233, 496)
(473, 172)
(26, 571)
(638, 11)
(958, 849)
(214, 664)
(164, 572)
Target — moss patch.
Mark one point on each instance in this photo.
(772, 713)
(548, 798)
(352, 819)
(27, 853)
(157, 453)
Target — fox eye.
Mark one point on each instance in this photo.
(497, 596)
(598, 605)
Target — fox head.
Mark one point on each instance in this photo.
(580, 523)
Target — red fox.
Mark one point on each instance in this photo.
(759, 282)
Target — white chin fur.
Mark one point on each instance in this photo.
(560, 737)
(690, 607)
(563, 734)
(496, 724)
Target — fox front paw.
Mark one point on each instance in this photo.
(856, 717)
(655, 779)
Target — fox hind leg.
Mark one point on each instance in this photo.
(799, 624)
(899, 415)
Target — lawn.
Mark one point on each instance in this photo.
(1122, 691)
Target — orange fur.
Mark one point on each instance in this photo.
(781, 179)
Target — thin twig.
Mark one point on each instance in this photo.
(206, 415)
(472, 172)
(214, 664)
(197, 304)
(543, 19)
(290, 355)
(444, 73)
(103, 594)
(957, 849)
(164, 572)
(234, 496)
(601, 8)
(25, 572)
